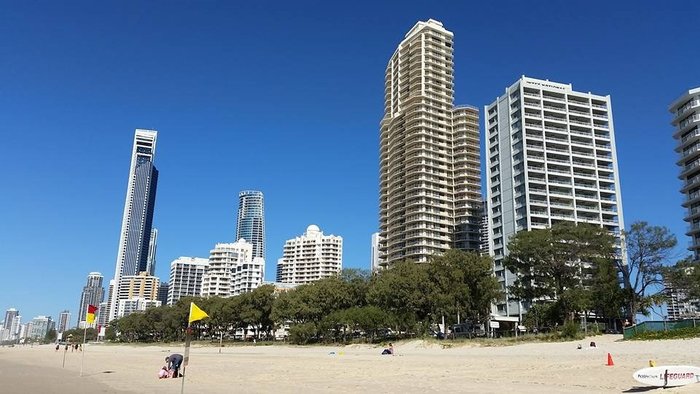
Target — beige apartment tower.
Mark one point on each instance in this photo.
(430, 187)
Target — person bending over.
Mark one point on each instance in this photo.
(174, 362)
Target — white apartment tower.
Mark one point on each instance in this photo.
(430, 188)
(686, 120)
(186, 275)
(551, 158)
(374, 262)
(232, 270)
(310, 257)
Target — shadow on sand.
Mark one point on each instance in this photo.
(97, 373)
(641, 389)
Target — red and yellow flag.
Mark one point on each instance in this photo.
(90, 317)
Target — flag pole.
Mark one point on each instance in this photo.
(187, 349)
(82, 358)
(198, 315)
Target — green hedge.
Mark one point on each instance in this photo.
(679, 333)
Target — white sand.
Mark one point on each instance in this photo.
(417, 367)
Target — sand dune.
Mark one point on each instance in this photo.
(418, 367)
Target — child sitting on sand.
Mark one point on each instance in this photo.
(163, 373)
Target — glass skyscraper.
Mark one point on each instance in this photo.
(251, 220)
(137, 221)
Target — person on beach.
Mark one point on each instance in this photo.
(389, 350)
(174, 361)
(163, 373)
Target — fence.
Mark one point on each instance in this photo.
(629, 332)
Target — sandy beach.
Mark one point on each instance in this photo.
(418, 367)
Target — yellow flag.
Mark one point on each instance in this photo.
(196, 313)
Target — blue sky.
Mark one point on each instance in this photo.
(283, 97)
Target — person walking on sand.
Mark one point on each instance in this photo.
(174, 361)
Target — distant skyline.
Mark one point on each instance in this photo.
(284, 98)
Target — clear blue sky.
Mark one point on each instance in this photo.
(283, 97)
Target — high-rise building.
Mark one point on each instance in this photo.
(106, 314)
(40, 326)
(63, 321)
(551, 158)
(136, 292)
(15, 328)
(10, 325)
(484, 247)
(135, 238)
(310, 257)
(374, 254)
(232, 270)
(429, 165)
(251, 220)
(686, 120)
(102, 314)
(186, 275)
(679, 306)
(152, 246)
(141, 285)
(93, 294)
(9, 315)
(163, 290)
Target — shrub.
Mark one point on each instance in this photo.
(570, 330)
(679, 333)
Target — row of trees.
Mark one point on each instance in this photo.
(562, 271)
(569, 269)
(408, 298)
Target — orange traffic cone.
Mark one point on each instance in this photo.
(610, 361)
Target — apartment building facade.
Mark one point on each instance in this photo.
(551, 158)
(430, 177)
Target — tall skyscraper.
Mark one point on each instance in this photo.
(93, 294)
(10, 325)
(232, 270)
(9, 315)
(430, 187)
(686, 120)
(310, 257)
(63, 321)
(186, 276)
(374, 253)
(251, 220)
(551, 158)
(152, 247)
(135, 238)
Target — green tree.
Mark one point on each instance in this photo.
(607, 296)
(649, 248)
(462, 284)
(358, 282)
(684, 276)
(310, 303)
(50, 336)
(401, 291)
(557, 263)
